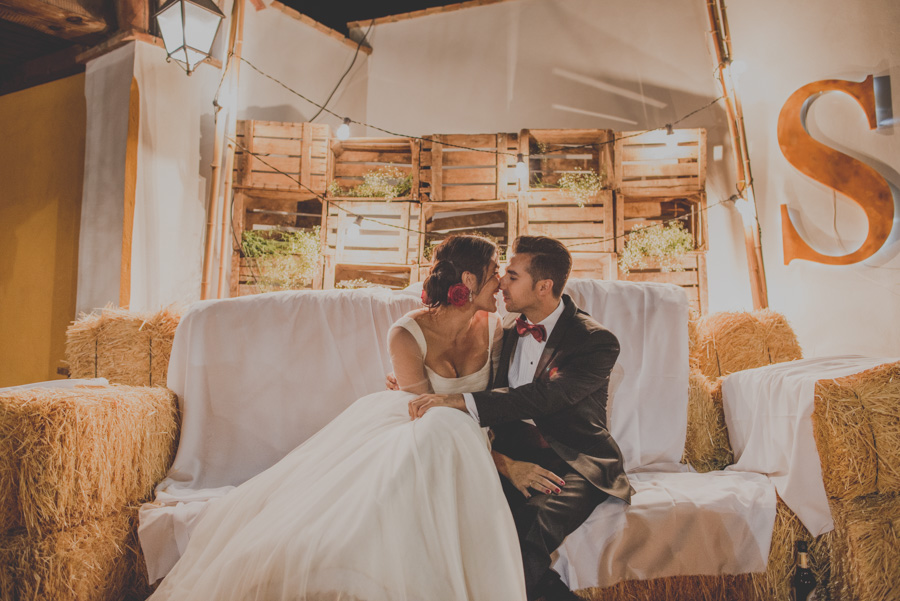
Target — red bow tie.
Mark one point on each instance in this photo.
(537, 330)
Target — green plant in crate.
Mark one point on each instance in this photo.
(664, 245)
(386, 182)
(282, 259)
(582, 184)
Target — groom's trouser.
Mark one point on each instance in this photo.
(543, 521)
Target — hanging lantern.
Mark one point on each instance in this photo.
(188, 29)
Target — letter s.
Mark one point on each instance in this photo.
(859, 182)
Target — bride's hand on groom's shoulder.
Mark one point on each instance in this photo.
(422, 403)
(390, 382)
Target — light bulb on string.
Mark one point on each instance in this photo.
(343, 132)
(521, 168)
(671, 140)
(355, 229)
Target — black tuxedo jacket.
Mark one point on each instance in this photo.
(566, 399)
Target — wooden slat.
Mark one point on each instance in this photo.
(343, 272)
(653, 189)
(636, 170)
(680, 278)
(272, 180)
(469, 192)
(467, 158)
(658, 153)
(470, 140)
(469, 176)
(343, 169)
(651, 209)
(277, 146)
(272, 164)
(567, 230)
(275, 129)
(583, 245)
(437, 164)
(501, 165)
(555, 196)
(400, 157)
(577, 214)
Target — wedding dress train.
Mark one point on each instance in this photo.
(374, 507)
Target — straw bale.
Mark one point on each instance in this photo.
(781, 341)
(676, 588)
(856, 422)
(775, 583)
(82, 453)
(694, 339)
(93, 561)
(706, 446)
(730, 342)
(125, 347)
(867, 563)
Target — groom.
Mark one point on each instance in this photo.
(547, 410)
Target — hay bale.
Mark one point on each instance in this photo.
(676, 588)
(82, 453)
(125, 347)
(775, 583)
(867, 565)
(730, 342)
(706, 446)
(780, 339)
(94, 561)
(856, 423)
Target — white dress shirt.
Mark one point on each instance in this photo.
(524, 361)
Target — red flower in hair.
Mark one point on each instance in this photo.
(458, 295)
(425, 300)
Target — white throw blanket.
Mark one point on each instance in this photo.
(768, 412)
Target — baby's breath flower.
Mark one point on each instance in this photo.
(664, 244)
(582, 184)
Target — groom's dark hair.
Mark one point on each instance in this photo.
(550, 260)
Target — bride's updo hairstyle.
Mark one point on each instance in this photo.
(451, 258)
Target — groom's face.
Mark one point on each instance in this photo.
(517, 285)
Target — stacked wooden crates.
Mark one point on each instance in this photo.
(372, 239)
(586, 226)
(661, 176)
(467, 185)
(280, 168)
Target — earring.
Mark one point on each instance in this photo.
(471, 297)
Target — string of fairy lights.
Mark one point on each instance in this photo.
(343, 133)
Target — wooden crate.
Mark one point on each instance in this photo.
(641, 211)
(497, 218)
(299, 150)
(450, 173)
(658, 164)
(384, 235)
(693, 279)
(390, 276)
(550, 153)
(353, 158)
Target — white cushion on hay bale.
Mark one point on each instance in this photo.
(258, 375)
(768, 412)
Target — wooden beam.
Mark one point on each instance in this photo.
(67, 19)
(319, 27)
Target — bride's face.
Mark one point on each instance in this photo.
(486, 299)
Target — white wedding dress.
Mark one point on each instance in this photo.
(374, 507)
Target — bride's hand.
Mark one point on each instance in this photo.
(422, 403)
(524, 475)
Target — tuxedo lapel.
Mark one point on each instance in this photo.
(556, 336)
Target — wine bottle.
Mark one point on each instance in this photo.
(803, 582)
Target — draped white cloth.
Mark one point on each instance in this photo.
(255, 377)
(679, 523)
(768, 412)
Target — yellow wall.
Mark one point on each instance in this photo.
(42, 135)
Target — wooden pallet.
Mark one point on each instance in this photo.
(353, 158)
(449, 173)
(641, 211)
(550, 153)
(693, 279)
(383, 236)
(497, 218)
(658, 164)
(299, 150)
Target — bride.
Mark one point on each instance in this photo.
(376, 506)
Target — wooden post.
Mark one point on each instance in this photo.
(721, 37)
(133, 15)
(234, 61)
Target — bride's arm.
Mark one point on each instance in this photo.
(408, 362)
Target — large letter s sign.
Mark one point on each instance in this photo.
(859, 182)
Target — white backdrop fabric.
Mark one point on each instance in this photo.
(768, 412)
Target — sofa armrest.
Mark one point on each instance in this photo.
(856, 423)
(68, 455)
